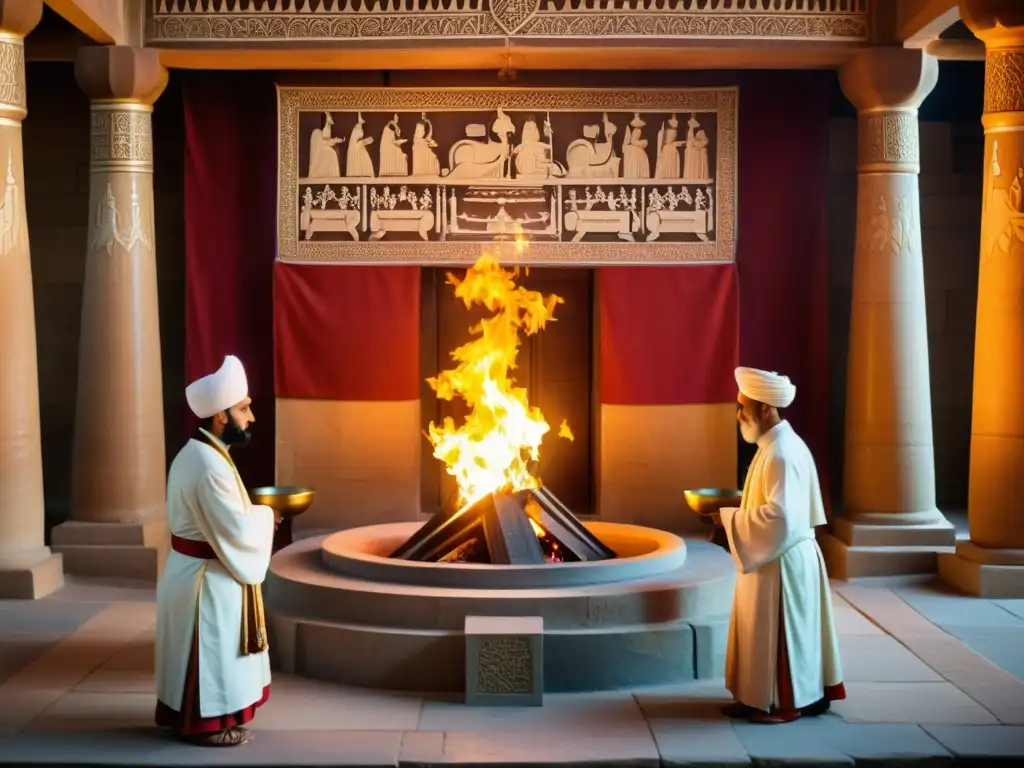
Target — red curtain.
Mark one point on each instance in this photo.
(783, 242)
(231, 241)
(669, 335)
(347, 333)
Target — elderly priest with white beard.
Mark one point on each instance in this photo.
(783, 654)
(212, 667)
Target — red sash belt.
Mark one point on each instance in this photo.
(200, 550)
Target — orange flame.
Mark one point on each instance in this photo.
(502, 432)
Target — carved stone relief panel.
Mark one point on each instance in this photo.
(213, 22)
(433, 176)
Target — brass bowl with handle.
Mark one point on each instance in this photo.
(287, 500)
(707, 501)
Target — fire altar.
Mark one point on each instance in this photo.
(389, 605)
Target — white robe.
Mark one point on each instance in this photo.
(772, 541)
(206, 501)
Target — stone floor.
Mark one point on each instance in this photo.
(932, 676)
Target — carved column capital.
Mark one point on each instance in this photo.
(887, 85)
(17, 19)
(123, 83)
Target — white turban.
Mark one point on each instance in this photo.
(765, 387)
(218, 391)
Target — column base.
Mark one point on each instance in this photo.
(114, 550)
(857, 550)
(991, 573)
(32, 581)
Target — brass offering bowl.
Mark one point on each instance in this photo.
(707, 501)
(288, 500)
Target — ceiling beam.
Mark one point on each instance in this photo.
(101, 20)
(919, 22)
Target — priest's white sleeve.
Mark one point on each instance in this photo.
(240, 534)
(759, 536)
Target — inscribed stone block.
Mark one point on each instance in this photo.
(504, 660)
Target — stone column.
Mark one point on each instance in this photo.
(889, 522)
(991, 564)
(27, 567)
(117, 525)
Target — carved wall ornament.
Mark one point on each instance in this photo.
(505, 666)
(12, 76)
(1004, 81)
(214, 22)
(434, 176)
(895, 228)
(110, 227)
(121, 137)
(12, 212)
(889, 137)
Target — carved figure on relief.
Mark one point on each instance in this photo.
(480, 157)
(324, 162)
(667, 165)
(635, 164)
(535, 158)
(12, 220)
(664, 216)
(695, 156)
(106, 230)
(359, 165)
(386, 216)
(393, 160)
(601, 211)
(424, 159)
(314, 215)
(588, 158)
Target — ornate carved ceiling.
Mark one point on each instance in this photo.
(326, 23)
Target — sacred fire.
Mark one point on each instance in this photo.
(501, 514)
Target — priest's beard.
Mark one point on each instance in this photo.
(234, 436)
(750, 431)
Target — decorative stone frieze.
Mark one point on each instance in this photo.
(215, 22)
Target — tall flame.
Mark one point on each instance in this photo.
(502, 433)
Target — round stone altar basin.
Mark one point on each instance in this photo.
(363, 553)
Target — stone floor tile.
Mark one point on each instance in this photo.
(911, 703)
(794, 743)
(300, 704)
(1016, 607)
(690, 729)
(87, 711)
(81, 589)
(421, 748)
(592, 711)
(881, 659)
(105, 680)
(150, 746)
(998, 691)
(17, 650)
(45, 616)
(943, 606)
(1001, 645)
(888, 610)
(980, 741)
(874, 741)
(593, 746)
(850, 621)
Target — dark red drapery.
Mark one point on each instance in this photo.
(231, 241)
(782, 257)
(669, 335)
(347, 333)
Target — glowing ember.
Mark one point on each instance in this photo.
(502, 432)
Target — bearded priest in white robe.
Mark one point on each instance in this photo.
(783, 652)
(212, 666)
